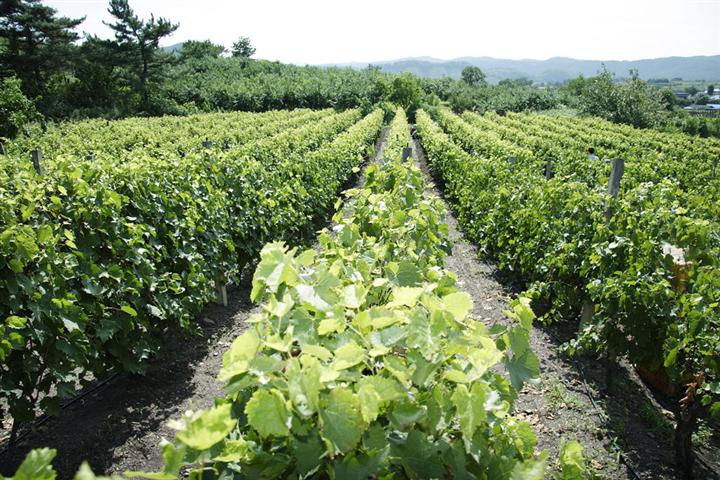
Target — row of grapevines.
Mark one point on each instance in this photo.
(363, 362)
(679, 158)
(121, 140)
(556, 235)
(97, 262)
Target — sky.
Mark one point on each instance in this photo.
(324, 31)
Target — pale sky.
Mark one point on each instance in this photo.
(325, 31)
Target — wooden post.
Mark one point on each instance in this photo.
(549, 172)
(587, 312)
(221, 288)
(406, 153)
(36, 158)
(616, 173)
(511, 162)
(618, 168)
(715, 162)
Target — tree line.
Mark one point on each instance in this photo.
(47, 72)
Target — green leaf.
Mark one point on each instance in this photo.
(369, 403)
(274, 269)
(406, 413)
(408, 274)
(469, 408)
(330, 325)
(354, 296)
(524, 312)
(386, 388)
(484, 358)
(362, 467)
(318, 352)
(347, 356)
(233, 451)
(523, 369)
(268, 413)
(16, 322)
(420, 457)
(310, 297)
(572, 462)
(405, 296)
(129, 310)
(37, 466)
(309, 453)
(342, 423)
(237, 359)
(304, 384)
(208, 428)
(458, 304)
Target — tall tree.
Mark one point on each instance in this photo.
(196, 49)
(139, 41)
(35, 43)
(243, 48)
(473, 76)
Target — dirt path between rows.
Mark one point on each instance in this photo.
(119, 426)
(571, 402)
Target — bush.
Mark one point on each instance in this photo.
(16, 110)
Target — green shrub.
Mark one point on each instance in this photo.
(16, 110)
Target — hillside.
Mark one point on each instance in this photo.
(558, 69)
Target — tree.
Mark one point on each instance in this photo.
(692, 90)
(139, 41)
(473, 76)
(243, 48)
(406, 92)
(35, 43)
(196, 49)
(632, 102)
(701, 99)
(15, 108)
(711, 90)
(99, 88)
(668, 98)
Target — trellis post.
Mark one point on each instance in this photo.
(36, 159)
(406, 153)
(221, 288)
(616, 173)
(549, 172)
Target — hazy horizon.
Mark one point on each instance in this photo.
(325, 32)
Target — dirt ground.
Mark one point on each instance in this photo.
(622, 429)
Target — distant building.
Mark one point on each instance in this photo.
(682, 95)
(709, 110)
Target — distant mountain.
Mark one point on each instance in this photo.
(174, 48)
(556, 69)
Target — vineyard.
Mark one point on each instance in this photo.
(368, 354)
